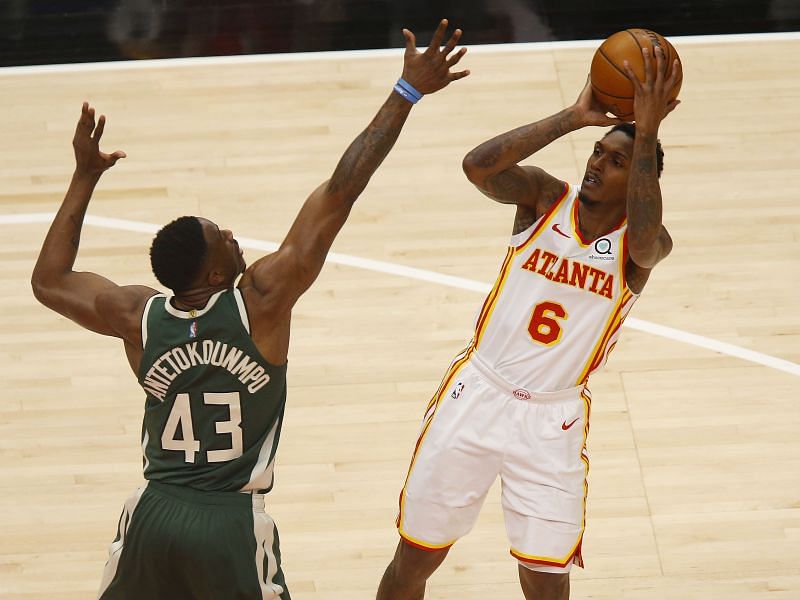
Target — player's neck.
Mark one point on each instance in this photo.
(596, 219)
(196, 298)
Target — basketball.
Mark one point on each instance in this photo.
(610, 85)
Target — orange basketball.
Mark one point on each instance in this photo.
(610, 85)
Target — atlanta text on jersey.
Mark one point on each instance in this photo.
(570, 272)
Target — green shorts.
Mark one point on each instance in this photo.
(176, 543)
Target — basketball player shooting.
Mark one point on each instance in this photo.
(515, 402)
(211, 359)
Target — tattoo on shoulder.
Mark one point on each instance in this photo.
(509, 186)
(550, 196)
(524, 218)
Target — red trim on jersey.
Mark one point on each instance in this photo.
(577, 224)
(611, 327)
(489, 309)
(492, 296)
(623, 259)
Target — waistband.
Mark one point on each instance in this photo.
(521, 393)
(194, 496)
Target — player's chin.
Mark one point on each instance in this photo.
(588, 195)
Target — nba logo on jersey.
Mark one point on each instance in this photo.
(457, 391)
(193, 330)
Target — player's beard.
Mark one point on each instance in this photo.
(588, 202)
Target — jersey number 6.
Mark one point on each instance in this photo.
(543, 326)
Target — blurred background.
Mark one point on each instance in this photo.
(65, 31)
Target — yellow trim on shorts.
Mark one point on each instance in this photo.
(562, 562)
(556, 562)
(424, 545)
(451, 373)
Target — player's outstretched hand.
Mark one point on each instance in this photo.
(651, 97)
(86, 143)
(591, 111)
(430, 71)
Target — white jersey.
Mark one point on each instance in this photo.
(556, 309)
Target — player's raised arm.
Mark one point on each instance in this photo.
(302, 254)
(55, 284)
(648, 240)
(494, 165)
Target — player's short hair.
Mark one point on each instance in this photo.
(178, 252)
(629, 129)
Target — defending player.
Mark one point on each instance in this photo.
(211, 358)
(515, 402)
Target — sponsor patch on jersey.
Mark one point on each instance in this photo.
(193, 330)
(521, 394)
(602, 250)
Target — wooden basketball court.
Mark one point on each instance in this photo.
(695, 476)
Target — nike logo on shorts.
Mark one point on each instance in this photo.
(564, 425)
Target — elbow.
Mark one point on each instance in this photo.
(645, 260)
(472, 168)
(646, 255)
(647, 251)
(344, 193)
(41, 290)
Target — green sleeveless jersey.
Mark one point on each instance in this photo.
(214, 405)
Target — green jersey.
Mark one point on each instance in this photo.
(214, 405)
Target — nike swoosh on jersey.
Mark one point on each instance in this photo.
(558, 231)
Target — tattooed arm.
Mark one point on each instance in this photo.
(494, 165)
(90, 300)
(648, 240)
(293, 268)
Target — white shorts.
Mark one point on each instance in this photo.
(479, 426)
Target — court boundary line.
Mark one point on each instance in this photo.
(389, 268)
(289, 57)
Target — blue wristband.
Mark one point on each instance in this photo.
(407, 91)
(409, 88)
(405, 94)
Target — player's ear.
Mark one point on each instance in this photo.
(216, 277)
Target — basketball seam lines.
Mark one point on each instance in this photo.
(635, 41)
(603, 54)
(608, 60)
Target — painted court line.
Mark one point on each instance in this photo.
(440, 279)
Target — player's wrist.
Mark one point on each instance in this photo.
(647, 126)
(85, 175)
(574, 117)
(407, 91)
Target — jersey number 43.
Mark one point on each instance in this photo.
(181, 415)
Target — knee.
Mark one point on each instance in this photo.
(414, 564)
(544, 584)
(407, 574)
